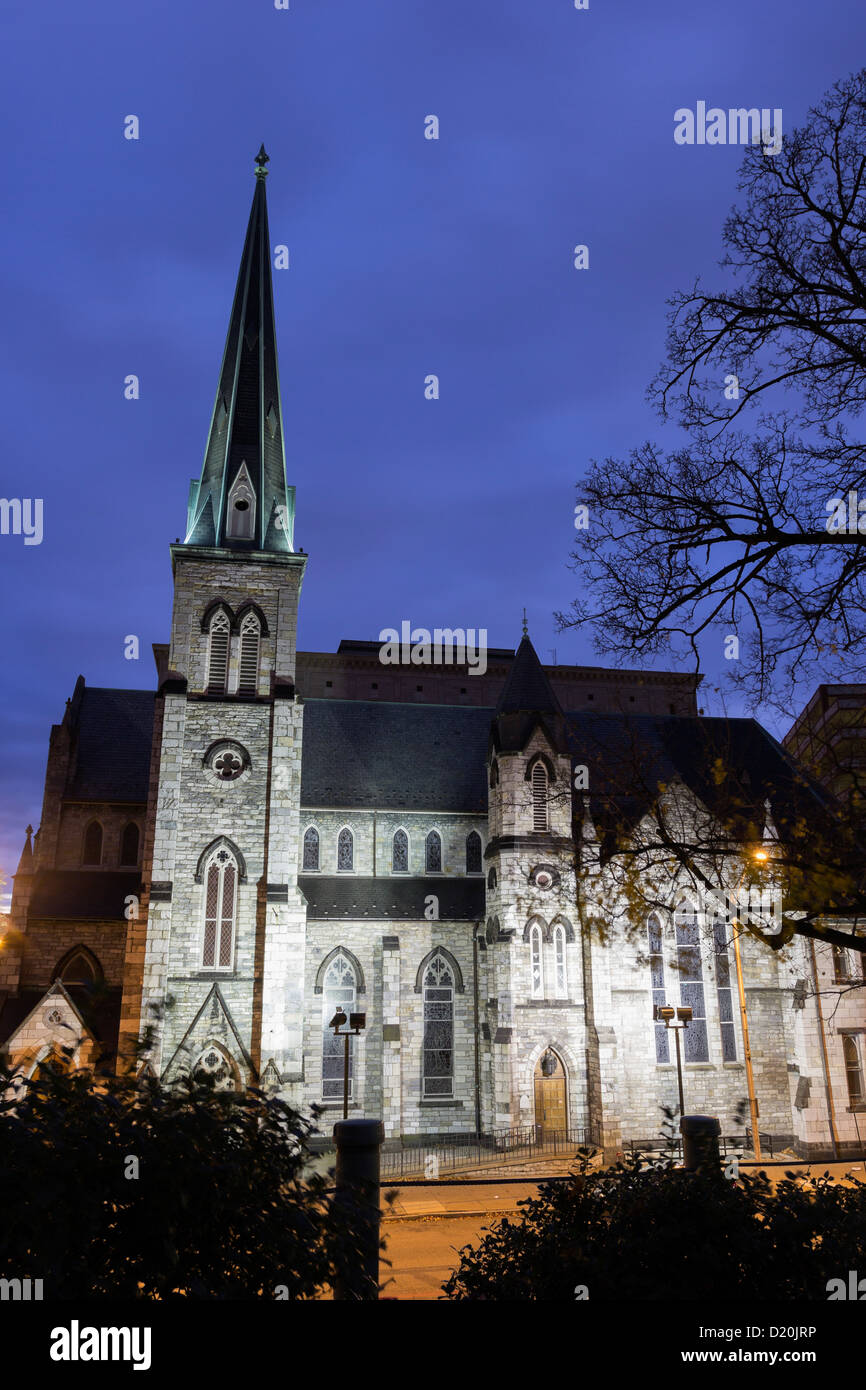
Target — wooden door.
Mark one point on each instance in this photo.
(551, 1115)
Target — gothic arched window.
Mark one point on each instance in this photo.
(218, 653)
(92, 851)
(539, 796)
(535, 966)
(216, 1069)
(491, 877)
(438, 1057)
(345, 851)
(311, 850)
(338, 992)
(853, 1070)
(129, 844)
(657, 980)
(400, 853)
(690, 969)
(473, 852)
(220, 908)
(560, 974)
(433, 853)
(248, 680)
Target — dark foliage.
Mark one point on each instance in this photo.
(638, 1232)
(219, 1207)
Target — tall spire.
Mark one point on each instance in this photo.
(241, 501)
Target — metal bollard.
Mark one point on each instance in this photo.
(701, 1143)
(357, 1188)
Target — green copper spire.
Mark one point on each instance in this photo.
(241, 501)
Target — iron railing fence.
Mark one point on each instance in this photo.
(472, 1150)
(728, 1143)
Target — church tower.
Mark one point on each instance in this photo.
(215, 956)
(534, 961)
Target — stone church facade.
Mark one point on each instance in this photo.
(271, 835)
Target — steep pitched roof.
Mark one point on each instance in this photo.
(527, 688)
(366, 753)
(247, 423)
(111, 753)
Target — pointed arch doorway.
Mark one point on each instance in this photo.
(551, 1105)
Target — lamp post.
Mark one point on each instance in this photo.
(356, 1023)
(761, 856)
(675, 1020)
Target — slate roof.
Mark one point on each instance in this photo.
(372, 753)
(383, 899)
(733, 765)
(95, 893)
(112, 756)
(527, 686)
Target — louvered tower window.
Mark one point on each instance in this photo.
(539, 797)
(221, 878)
(249, 670)
(218, 654)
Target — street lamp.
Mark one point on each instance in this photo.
(675, 1020)
(356, 1023)
(761, 856)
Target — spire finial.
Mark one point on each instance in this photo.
(262, 159)
(525, 628)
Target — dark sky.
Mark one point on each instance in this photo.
(408, 256)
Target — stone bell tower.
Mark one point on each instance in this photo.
(215, 956)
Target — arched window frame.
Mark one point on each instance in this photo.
(218, 645)
(560, 964)
(433, 861)
(126, 841)
(474, 853)
(220, 909)
(250, 654)
(67, 961)
(345, 850)
(536, 961)
(339, 990)
(437, 1060)
(657, 984)
(853, 1061)
(400, 851)
(93, 844)
(311, 849)
(690, 970)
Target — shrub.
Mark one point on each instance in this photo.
(118, 1188)
(639, 1232)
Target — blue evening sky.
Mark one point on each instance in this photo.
(408, 257)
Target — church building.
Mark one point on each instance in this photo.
(270, 835)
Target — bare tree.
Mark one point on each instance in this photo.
(727, 535)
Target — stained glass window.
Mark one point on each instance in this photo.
(311, 850)
(434, 853)
(438, 1060)
(400, 853)
(473, 852)
(345, 851)
(338, 993)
